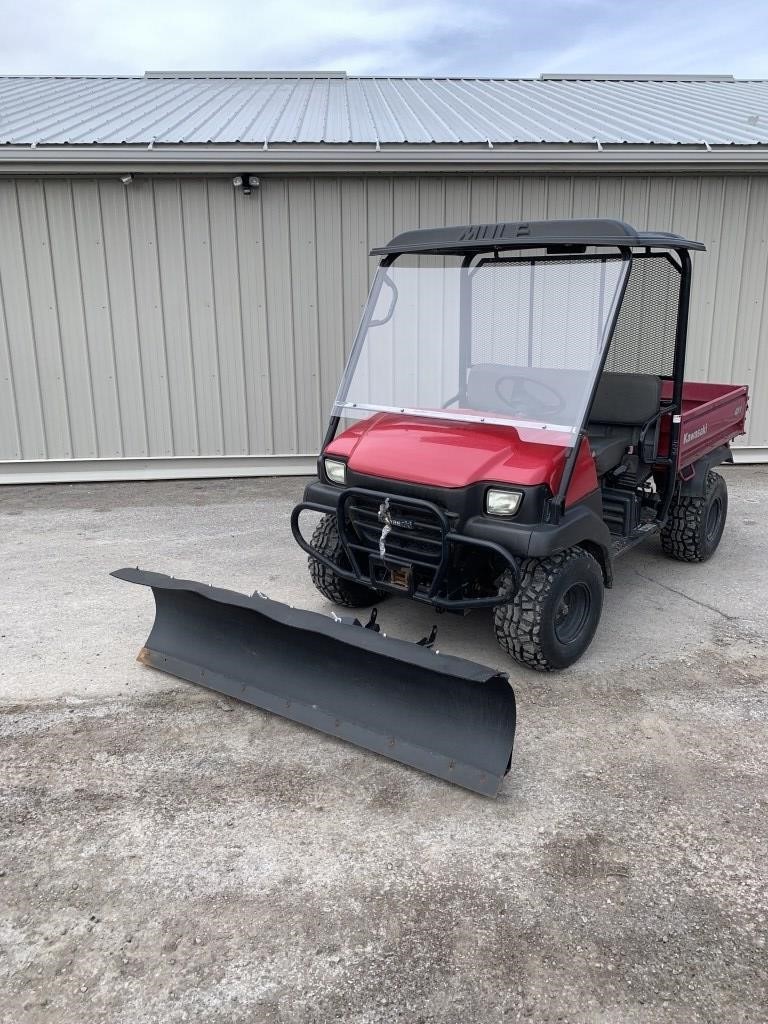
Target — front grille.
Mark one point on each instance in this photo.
(416, 534)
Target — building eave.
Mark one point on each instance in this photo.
(188, 158)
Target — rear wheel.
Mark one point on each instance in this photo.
(695, 524)
(553, 616)
(335, 588)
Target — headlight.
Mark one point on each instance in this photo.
(335, 471)
(502, 503)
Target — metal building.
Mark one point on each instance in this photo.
(158, 319)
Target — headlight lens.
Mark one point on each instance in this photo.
(502, 503)
(335, 471)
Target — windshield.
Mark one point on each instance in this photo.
(517, 342)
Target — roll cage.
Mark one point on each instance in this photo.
(476, 244)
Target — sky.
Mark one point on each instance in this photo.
(388, 37)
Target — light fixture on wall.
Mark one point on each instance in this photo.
(247, 182)
(127, 179)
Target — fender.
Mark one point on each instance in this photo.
(694, 485)
(580, 526)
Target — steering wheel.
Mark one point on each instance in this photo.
(525, 402)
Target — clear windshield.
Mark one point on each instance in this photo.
(516, 342)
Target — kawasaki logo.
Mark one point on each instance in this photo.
(403, 524)
(695, 434)
(393, 522)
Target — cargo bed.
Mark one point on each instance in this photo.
(712, 415)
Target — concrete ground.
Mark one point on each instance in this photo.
(169, 855)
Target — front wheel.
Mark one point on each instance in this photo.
(335, 588)
(553, 616)
(695, 524)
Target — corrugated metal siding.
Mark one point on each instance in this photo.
(181, 318)
(305, 109)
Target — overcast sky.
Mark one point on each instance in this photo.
(428, 37)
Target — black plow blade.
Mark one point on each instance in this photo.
(446, 716)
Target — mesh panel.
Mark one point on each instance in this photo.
(542, 313)
(644, 339)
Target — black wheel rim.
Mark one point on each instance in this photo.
(572, 613)
(714, 515)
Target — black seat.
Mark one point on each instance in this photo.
(623, 404)
(608, 449)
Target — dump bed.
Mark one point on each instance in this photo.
(712, 415)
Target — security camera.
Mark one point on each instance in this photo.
(247, 182)
(126, 179)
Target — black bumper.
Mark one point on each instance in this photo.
(511, 540)
(372, 568)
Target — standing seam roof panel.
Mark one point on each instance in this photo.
(337, 115)
(383, 116)
(430, 115)
(172, 119)
(262, 130)
(120, 133)
(311, 126)
(460, 124)
(22, 104)
(288, 126)
(595, 108)
(54, 114)
(550, 112)
(234, 108)
(361, 123)
(310, 108)
(720, 117)
(411, 128)
(660, 124)
(191, 127)
(240, 126)
(499, 119)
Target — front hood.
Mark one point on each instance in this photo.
(448, 453)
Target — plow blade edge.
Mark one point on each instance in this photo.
(443, 715)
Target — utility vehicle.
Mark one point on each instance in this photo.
(513, 417)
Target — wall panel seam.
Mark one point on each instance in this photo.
(239, 285)
(188, 309)
(57, 309)
(266, 325)
(31, 316)
(214, 317)
(86, 332)
(11, 375)
(110, 316)
(137, 322)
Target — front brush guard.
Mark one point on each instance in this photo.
(448, 537)
(443, 715)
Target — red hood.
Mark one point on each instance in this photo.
(446, 453)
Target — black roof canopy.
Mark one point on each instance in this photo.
(534, 234)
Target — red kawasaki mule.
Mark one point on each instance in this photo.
(512, 418)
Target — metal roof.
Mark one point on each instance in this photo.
(261, 108)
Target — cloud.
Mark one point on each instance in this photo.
(430, 37)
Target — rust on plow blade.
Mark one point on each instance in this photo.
(443, 715)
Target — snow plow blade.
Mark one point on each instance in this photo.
(443, 715)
